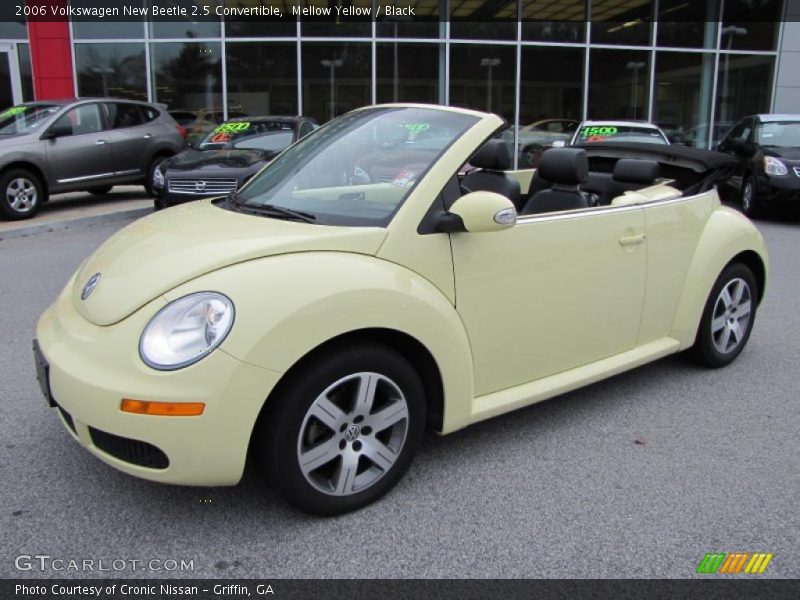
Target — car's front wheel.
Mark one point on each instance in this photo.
(341, 433)
(148, 182)
(22, 194)
(727, 318)
(751, 203)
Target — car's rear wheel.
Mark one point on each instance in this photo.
(22, 194)
(101, 190)
(727, 318)
(148, 183)
(751, 203)
(342, 433)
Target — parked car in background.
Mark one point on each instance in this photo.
(769, 174)
(206, 119)
(535, 138)
(226, 158)
(184, 119)
(310, 321)
(618, 131)
(90, 144)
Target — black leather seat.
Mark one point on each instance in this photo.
(566, 168)
(490, 162)
(629, 174)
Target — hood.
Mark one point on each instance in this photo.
(161, 251)
(191, 159)
(788, 153)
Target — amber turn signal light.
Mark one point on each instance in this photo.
(162, 409)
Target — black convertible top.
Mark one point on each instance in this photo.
(696, 159)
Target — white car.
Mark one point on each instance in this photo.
(590, 132)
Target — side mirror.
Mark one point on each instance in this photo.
(58, 130)
(740, 145)
(479, 212)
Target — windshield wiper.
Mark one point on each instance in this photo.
(270, 210)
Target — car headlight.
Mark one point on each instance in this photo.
(773, 166)
(186, 330)
(158, 177)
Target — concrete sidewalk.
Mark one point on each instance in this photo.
(81, 209)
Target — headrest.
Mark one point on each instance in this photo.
(636, 170)
(566, 166)
(493, 155)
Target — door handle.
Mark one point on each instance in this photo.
(631, 240)
(147, 136)
(100, 143)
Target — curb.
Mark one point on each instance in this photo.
(79, 223)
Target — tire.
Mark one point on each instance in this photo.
(159, 203)
(317, 410)
(148, 183)
(727, 319)
(100, 191)
(21, 194)
(751, 204)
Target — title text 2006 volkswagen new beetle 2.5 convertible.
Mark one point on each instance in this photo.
(358, 290)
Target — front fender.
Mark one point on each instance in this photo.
(726, 234)
(288, 305)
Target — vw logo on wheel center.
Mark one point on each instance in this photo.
(352, 433)
(90, 285)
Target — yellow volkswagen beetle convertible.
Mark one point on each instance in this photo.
(361, 288)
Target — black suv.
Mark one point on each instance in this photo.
(769, 175)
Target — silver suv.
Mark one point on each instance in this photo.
(91, 144)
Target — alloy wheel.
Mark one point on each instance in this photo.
(731, 316)
(747, 197)
(352, 434)
(21, 194)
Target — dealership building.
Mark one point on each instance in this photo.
(683, 64)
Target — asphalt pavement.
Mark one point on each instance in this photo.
(637, 476)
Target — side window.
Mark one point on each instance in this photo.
(150, 114)
(740, 131)
(122, 114)
(305, 129)
(82, 119)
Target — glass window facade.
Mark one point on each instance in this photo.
(117, 70)
(691, 67)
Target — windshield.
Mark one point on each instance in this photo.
(618, 133)
(359, 168)
(25, 118)
(272, 141)
(234, 133)
(784, 134)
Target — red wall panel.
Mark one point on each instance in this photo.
(51, 55)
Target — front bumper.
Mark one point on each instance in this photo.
(92, 368)
(779, 189)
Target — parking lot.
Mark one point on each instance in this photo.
(637, 476)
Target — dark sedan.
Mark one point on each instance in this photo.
(769, 175)
(226, 158)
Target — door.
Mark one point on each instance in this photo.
(552, 293)
(738, 143)
(131, 138)
(82, 155)
(10, 87)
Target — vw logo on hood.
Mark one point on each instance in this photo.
(90, 285)
(199, 185)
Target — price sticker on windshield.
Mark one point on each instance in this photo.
(14, 110)
(235, 127)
